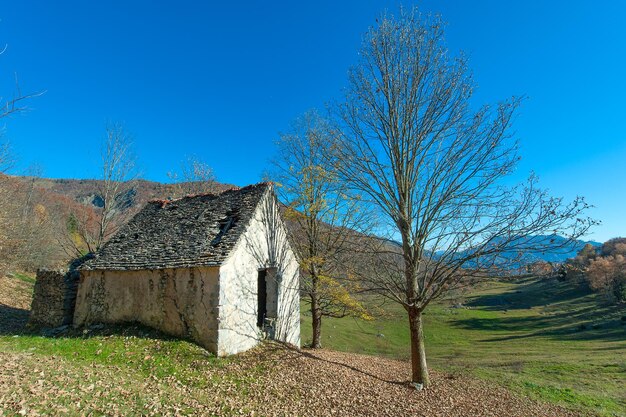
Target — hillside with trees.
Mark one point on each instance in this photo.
(44, 222)
(602, 268)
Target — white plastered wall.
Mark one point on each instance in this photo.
(263, 245)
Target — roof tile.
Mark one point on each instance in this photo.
(198, 230)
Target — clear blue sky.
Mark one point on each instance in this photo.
(219, 81)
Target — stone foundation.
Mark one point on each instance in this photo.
(54, 298)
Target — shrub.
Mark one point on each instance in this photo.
(607, 274)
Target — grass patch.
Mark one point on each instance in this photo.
(523, 334)
(567, 395)
(131, 370)
(134, 347)
(29, 279)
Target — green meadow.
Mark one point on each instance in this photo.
(543, 338)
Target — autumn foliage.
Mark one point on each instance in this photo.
(603, 269)
(34, 223)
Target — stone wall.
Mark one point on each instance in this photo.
(54, 298)
(182, 302)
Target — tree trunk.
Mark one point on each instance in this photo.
(316, 315)
(419, 369)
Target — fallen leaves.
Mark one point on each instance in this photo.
(127, 375)
(269, 381)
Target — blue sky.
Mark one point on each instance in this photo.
(220, 81)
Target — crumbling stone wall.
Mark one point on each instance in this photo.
(54, 298)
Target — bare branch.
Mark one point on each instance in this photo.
(413, 146)
(89, 229)
(194, 177)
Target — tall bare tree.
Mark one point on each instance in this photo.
(194, 177)
(323, 219)
(15, 103)
(434, 167)
(117, 183)
(90, 229)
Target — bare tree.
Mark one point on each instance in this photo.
(32, 222)
(26, 224)
(434, 168)
(194, 177)
(90, 229)
(117, 183)
(7, 159)
(7, 226)
(16, 103)
(323, 219)
(7, 203)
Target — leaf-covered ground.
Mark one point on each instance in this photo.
(16, 294)
(135, 371)
(270, 381)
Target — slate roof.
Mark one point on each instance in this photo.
(192, 231)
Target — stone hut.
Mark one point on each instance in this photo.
(217, 269)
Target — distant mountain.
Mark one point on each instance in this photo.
(568, 250)
(523, 254)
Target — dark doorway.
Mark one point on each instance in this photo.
(262, 297)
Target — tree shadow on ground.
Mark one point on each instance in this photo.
(273, 351)
(561, 311)
(523, 328)
(312, 355)
(530, 293)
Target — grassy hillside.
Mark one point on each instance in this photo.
(542, 338)
(130, 370)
